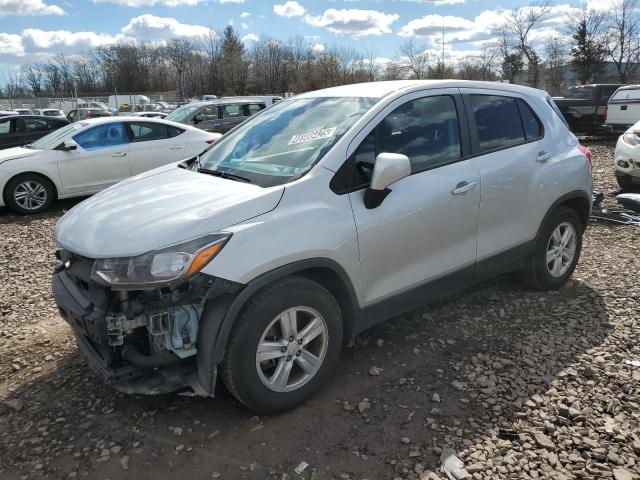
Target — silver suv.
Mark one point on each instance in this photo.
(319, 217)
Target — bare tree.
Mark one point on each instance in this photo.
(623, 32)
(416, 59)
(518, 31)
(176, 52)
(556, 54)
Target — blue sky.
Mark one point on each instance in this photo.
(32, 30)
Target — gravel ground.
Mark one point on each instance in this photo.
(518, 384)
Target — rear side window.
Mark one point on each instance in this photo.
(147, 131)
(497, 122)
(5, 127)
(173, 131)
(532, 125)
(232, 111)
(101, 136)
(33, 124)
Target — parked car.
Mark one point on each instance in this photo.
(267, 99)
(623, 108)
(584, 107)
(148, 114)
(627, 158)
(5, 113)
(85, 157)
(49, 112)
(18, 130)
(86, 113)
(312, 221)
(218, 115)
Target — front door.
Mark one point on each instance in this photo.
(99, 161)
(425, 229)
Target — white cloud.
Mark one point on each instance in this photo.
(456, 29)
(11, 44)
(150, 3)
(244, 25)
(318, 47)
(64, 41)
(230, 1)
(353, 22)
(245, 14)
(28, 7)
(289, 9)
(437, 3)
(250, 37)
(150, 27)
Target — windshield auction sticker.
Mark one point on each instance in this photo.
(312, 135)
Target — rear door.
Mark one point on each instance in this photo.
(99, 161)
(519, 174)
(153, 144)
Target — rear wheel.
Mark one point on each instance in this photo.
(556, 251)
(29, 193)
(284, 346)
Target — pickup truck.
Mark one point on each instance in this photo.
(585, 106)
(623, 109)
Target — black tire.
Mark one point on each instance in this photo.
(239, 370)
(34, 179)
(624, 181)
(536, 273)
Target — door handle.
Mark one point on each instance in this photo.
(463, 188)
(119, 154)
(543, 157)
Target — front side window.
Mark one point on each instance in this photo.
(54, 139)
(498, 122)
(253, 108)
(208, 113)
(147, 131)
(231, 111)
(5, 127)
(285, 141)
(102, 136)
(426, 130)
(33, 125)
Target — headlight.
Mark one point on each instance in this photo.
(162, 266)
(631, 139)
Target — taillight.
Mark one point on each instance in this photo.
(606, 114)
(587, 153)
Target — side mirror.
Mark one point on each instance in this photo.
(389, 168)
(196, 120)
(68, 145)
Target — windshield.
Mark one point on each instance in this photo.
(581, 93)
(282, 143)
(51, 141)
(182, 113)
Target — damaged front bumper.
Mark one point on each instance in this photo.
(144, 341)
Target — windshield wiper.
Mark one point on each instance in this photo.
(221, 174)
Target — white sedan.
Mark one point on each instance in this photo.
(87, 156)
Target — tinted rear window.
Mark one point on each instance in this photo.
(498, 122)
(532, 125)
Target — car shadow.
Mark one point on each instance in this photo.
(451, 374)
(59, 208)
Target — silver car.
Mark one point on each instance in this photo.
(323, 215)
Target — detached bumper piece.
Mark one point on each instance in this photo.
(136, 341)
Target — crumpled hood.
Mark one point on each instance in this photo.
(15, 153)
(159, 208)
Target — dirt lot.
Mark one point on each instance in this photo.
(520, 384)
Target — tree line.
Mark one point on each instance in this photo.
(221, 64)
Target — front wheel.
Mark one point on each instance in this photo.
(284, 346)
(29, 193)
(556, 251)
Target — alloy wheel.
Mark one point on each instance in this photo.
(30, 195)
(561, 249)
(292, 349)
